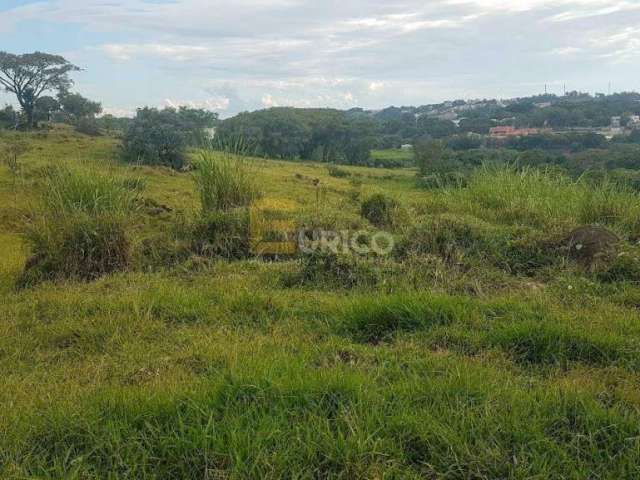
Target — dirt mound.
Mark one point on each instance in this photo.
(592, 246)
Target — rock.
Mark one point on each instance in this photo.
(592, 246)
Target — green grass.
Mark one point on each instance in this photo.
(455, 358)
(78, 229)
(544, 200)
(224, 182)
(394, 155)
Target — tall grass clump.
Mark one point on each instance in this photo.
(78, 227)
(543, 199)
(610, 203)
(227, 187)
(233, 144)
(224, 182)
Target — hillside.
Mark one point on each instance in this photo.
(477, 349)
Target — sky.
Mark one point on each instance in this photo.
(233, 56)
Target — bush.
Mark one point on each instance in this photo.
(227, 188)
(433, 157)
(224, 182)
(160, 137)
(79, 230)
(154, 138)
(380, 210)
(337, 172)
(88, 126)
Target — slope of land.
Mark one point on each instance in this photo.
(477, 351)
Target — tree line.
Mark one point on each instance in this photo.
(324, 135)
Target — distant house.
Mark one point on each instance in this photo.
(509, 132)
(406, 146)
(503, 131)
(616, 122)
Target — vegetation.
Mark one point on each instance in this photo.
(392, 158)
(574, 110)
(380, 210)
(161, 137)
(224, 182)
(78, 229)
(143, 339)
(309, 134)
(30, 75)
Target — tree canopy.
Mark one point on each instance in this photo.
(311, 134)
(30, 75)
(160, 137)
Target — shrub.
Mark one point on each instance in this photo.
(160, 137)
(380, 210)
(88, 126)
(150, 144)
(227, 188)
(224, 182)
(79, 230)
(433, 157)
(338, 172)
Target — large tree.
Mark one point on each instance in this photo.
(78, 107)
(30, 75)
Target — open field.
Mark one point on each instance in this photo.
(476, 350)
(394, 156)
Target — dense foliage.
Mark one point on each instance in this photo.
(160, 137)
(310, 134)
(575, 110)
(30, 75)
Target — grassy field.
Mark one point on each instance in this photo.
(476, 350)
(393, 156)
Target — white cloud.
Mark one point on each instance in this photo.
(620, 46)
(565, 51)
(256, 53)
(212, 103)
(268, 101)
(594, 8)
(180, 53)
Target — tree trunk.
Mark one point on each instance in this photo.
(28, 110)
